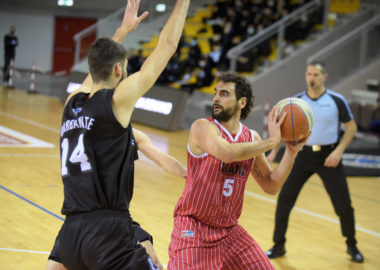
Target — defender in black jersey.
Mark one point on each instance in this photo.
(165, 161)
(97, 148)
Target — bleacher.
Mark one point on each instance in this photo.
(198, 27)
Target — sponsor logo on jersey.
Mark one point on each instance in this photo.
(187, 234)
(234, 169)
(77, 110)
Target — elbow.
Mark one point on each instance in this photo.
(271, 191)
(170, 44)
(271, 188)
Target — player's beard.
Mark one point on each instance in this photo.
(225, 114)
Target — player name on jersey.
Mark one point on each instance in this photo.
(80, 122)
(234, 169)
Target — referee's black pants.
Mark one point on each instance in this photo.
(334, 179)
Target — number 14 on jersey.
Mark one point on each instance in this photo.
(77, 156)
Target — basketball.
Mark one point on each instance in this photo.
(298, 121)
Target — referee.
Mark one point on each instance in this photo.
(322, 154)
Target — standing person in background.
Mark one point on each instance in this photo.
(166, 162)
(97, 149)
(10, 44)
(222, 153)
(321, 155)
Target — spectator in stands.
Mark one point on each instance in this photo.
(173, 71)
(135, 62)
(250, 31)
(263, 48)
(203, 75)
(194, 53)
(246, 61)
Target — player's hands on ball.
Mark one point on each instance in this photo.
(274, 123)
(295, 147)
(149, 249)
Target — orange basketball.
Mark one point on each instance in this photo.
(298, 121)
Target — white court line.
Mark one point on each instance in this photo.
(358, 228)
(31, 122)
(31, 141)
(25, 250)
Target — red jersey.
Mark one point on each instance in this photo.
(214, 191)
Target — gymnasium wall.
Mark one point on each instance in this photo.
(36, 37)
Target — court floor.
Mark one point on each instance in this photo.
(31, 195)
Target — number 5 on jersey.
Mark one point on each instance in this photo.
(228, 187)
(77, 156)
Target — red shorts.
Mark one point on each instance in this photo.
(196, 246)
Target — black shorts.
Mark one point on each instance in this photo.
(101, 239)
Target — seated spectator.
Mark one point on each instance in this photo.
(194, 53)
(135, 62)
(246, 62)
(173, 71)
(203, 75)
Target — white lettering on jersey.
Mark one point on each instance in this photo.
(81, 122)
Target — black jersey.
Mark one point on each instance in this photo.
(97, 155)
(10, 43)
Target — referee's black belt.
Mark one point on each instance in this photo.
(317, 147)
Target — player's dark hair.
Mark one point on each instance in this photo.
(242, 89)
(319, 64)
(103, 55)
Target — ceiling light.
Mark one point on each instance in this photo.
(160, 7)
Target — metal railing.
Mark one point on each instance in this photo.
(351, 52)
(90, 30)
(102, 27)
(278, 28)
(147, 28)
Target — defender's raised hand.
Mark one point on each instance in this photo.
(130, 20)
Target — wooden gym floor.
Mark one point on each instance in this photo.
(31, 195)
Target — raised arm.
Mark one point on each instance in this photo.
(130, 22)
(133, 87)
(205, 137)
(165, 161)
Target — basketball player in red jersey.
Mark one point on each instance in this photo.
(221, 154)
